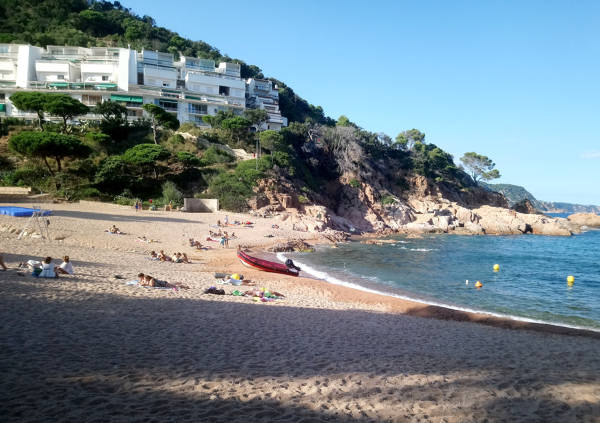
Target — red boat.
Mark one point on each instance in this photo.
(265, 265)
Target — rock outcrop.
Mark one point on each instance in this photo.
(291, 245)
(368, 206)
(585, 219)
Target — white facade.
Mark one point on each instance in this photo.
(190, 87)
(263, 94)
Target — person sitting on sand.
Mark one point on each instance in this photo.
(153, 255)
(65, 268)
(114, 230)
(163, 257)
(2, 263)
(219, 223)
(185, 259)
(233, 236)
(176, 258)
(47, 269)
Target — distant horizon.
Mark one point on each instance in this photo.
(514, 81)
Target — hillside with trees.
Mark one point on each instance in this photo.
(314, 161)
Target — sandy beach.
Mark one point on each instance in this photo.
(89, 347)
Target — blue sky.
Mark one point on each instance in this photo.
(518, 81)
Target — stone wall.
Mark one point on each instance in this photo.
(200, 205)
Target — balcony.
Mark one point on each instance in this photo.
(75, 86)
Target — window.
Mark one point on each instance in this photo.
(91, 100)
(223, 90)
(105, 77)
(199, 109)
(60, 77)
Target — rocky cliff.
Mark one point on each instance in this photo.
(361, 185)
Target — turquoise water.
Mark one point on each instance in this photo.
(530, 285)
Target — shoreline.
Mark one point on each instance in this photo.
(406, 306)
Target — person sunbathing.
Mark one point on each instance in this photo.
(157, 283)
(185, 259)
(65, 268)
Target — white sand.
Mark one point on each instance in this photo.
(89, 348)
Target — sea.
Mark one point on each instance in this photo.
(530, 284)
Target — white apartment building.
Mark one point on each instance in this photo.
(189, 88)
(263, 94)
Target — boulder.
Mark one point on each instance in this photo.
(291, 245)
(585, 219)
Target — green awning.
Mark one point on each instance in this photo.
(127, 98)
(59, 84)
(2, 107)
(107, 85)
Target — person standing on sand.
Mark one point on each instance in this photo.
(2, 263)
(226, 220)
(226, 239)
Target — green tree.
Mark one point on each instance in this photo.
(144, 157)
(407, 139)
(28, 101)
(256, 116)
(64, 106)
(160, 117)
(479, 166)
(271, 140)
(216, 120)
(344, 121)
(114, 119)
(237, 126)
(188, 159)
(48, 144)
(112, 175)
(171, 193)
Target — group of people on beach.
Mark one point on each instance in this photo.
(147, 280)
(175, 258)
(226, 222)
(45, 269)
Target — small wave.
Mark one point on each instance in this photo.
(330, 279)
(419, 249)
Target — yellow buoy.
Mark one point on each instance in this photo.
(570, 279)
(478, 284)
(496, 267)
